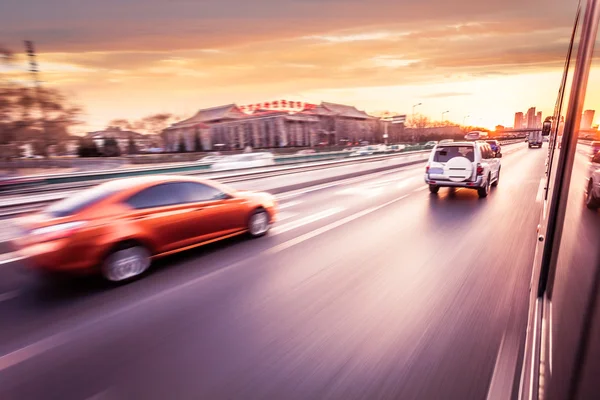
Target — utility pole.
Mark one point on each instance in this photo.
(33, 69)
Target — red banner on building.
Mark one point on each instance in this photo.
(278, 105)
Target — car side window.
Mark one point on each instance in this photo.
(484, 152)
(198, 192)
(166, 194)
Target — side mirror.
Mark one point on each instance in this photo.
(546, 128)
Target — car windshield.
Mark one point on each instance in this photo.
(445, 153)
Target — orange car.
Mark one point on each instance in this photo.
(118, 227)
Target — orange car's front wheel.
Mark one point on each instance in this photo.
(258, 224)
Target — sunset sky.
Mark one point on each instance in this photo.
(130, 58)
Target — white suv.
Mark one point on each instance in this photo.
(471, 165)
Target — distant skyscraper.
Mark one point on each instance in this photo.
(518, 120)
(588, 119)
(538, 120)
(531, 118)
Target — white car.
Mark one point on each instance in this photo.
(247, 160)
(397, 147)
(363, 151)
(211, 159)
(471, 165)
(592, 195)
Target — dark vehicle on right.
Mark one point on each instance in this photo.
(495, 145)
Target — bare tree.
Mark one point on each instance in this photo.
(121, 123)
(154, 123)
(42, 117)
(419, 123)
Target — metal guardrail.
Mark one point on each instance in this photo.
(19, 205)
(181, 168)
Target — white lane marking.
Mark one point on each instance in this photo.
(540, 192)
(404, 183)
(306, 220)
(285, 215)
(10, 258)
(421, 189)
(9, 295)
(289, 205)
(303, 238)
(103, 395)
(504, 369)
(299, 192)
(348, 181)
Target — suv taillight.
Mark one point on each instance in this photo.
(427, 169)
(479, 170)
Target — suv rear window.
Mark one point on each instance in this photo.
(445, 153)
(73, 204)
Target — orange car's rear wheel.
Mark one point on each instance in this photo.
(125, 262)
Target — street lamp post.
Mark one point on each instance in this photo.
(413, 118)
(444, 113)
(385, 132)
(413, 109)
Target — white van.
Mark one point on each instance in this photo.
(241, 161)
(535, 139)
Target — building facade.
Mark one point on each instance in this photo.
(531, 118)
(518, 120)
(270, 125)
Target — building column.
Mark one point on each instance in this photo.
(283, 134)
(272, 136)
(256, 134)
(205, 138)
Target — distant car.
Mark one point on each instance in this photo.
(306, 151)
(471, 165)
(363, 151)
(595, 147)
(117, 228)
(495, 145)
(377, 148)
(476, 135)
(592, 193)
(397, 147)
(535, 139)
(430, 144)
(241, 161)
(211, 158)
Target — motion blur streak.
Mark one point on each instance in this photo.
(410, 299)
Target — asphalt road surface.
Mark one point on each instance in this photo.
(367, 288)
